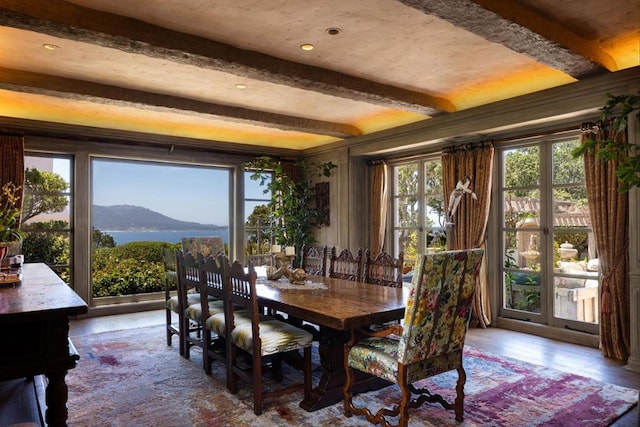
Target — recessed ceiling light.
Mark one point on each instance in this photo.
(50, 46)
(306, 46)
(241, 86)
(333, 31)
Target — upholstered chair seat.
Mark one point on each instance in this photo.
(173, 303)
(194, 311)
(276, 336)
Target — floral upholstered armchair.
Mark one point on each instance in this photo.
(429, 342)
(207, 246)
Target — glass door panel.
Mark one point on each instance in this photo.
(549, 255)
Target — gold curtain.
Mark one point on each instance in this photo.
(472, 215)
(12, 160)
(609, 210)
(379, 194)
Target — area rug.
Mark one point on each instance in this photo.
(132, 378)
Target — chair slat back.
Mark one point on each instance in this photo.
(241, 292)
(188, 270)
(346, 266)
(383, 269)
(211, 276)
(439, 306)
(314, 260)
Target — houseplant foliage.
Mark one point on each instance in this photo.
(10, 213)
(618, 109)
(292, 214)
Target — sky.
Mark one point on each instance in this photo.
(195, 194)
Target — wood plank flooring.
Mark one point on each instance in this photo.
(580, 360)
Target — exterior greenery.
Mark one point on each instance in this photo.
(618, 109)
(10, 213)
(128, 269)
(291, 208)
(410, 219)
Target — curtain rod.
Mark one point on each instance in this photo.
(11, 132)
(468, 146)
(534, 134)
(494, 141)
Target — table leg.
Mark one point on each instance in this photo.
(56, 399)
(329, 390)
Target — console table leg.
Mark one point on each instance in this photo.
(56, 399)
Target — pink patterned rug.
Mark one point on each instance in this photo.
(131, 378)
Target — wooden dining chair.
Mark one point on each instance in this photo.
(431, 342)
(191, 316)
(383, 269)
(314, 260)
(171, 301)
(345, 265)
(212, 288)
(263, 337)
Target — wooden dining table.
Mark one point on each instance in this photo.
(336, 306)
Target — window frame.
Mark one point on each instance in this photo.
(421, 195)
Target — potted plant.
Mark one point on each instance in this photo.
(10, 235)
(617, 109)
(292, 214)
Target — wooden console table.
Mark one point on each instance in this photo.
(34, 326)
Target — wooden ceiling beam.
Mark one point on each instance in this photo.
(521, 30)
(550, 30)
(28, 82)
(67, 20)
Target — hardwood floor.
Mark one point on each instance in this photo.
(567, 357)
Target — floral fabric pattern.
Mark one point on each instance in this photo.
(205, 245)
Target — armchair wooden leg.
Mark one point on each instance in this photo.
(459, 402)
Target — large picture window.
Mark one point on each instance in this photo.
(139, 207)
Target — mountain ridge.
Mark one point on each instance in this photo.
(138, 218)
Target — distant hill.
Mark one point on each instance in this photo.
(137, 218)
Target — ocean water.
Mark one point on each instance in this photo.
(170, 236)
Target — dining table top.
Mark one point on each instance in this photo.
(334, 303)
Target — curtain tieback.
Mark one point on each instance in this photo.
(606, 278)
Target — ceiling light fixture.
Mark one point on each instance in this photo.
(241, 86)
(306, 46)
(333, 31)
(50, 46)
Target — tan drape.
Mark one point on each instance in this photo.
(609, 210)
(379, 195)
(471, 217)
(12, 160)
